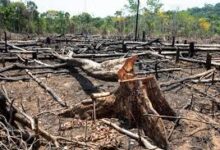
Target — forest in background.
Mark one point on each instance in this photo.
(22, 17)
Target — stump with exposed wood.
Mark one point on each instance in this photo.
(134, 98)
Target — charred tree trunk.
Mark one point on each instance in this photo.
(134, 98)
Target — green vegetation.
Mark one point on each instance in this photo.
(25, 18)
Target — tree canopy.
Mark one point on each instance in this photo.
(25, 18)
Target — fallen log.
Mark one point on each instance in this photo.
(20, 66)
(41, 72)
(13, 79)
(106, 70)
(48, 89)
(41, 63)
(196, 45)
(156, 54)
(206, 80)
(97, 55)
(159, 71)
(26, 42)
(182, 49)
(19, 77)
(29, 52)
(143, 44)
(187, 78)
(198, 61)
(13, 58)
(164, 55)
(16, 47)
(42, 49)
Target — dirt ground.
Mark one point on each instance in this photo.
(76, 86)
(199, 130)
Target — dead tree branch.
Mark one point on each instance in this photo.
(48, 89)
(144, 141)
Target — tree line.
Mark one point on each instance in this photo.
(22, 17)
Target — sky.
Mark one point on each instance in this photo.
(102, 8)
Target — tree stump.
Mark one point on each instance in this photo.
(134, 98)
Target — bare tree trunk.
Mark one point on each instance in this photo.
(106, 70)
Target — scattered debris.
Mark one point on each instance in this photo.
(103, 93)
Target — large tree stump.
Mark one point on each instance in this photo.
(134, 98)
